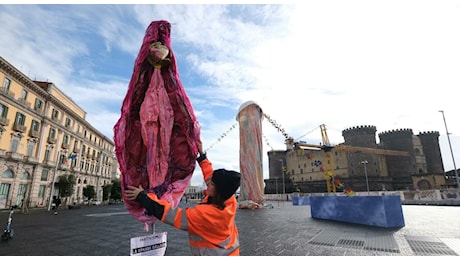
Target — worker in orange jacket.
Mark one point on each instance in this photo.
(211, 224)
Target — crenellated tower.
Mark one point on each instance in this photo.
(363, 136)
(430, 143)
(400, 168)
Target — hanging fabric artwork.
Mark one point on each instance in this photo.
(251, 152)
(156, 135)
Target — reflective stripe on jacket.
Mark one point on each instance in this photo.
(211, 231)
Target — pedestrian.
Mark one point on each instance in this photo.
(211, 224)
(24, 207)
(56, 203)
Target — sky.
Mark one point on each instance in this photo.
(389, 64)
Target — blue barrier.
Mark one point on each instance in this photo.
(381, 211)
(300, 200)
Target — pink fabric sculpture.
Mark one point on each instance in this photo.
(251, 152)
(157, 133)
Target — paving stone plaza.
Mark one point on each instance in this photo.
(284, 230)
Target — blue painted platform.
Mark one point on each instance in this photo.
(380, 211)
(300, 200)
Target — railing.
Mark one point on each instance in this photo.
(4, 121)
(34, 133)
(20, 128)
(52, 140)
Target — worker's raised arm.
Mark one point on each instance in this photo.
(205, 164)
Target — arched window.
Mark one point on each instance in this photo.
(8, 174)
(25, 176)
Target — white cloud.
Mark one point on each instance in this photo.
(392, 64)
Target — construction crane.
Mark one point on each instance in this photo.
(328, 165)
(328, 157)
(329, 172)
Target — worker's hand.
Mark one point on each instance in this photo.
(131, 192)
(200, 147)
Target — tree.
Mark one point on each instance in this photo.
(66, 184)
(89, 192)
(115, 192)
(106, 191)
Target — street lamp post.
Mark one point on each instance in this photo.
(451, 152)
(365, 173)
(54, 179)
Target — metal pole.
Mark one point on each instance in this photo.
(365, 173)
(451, 152)
(54, 180)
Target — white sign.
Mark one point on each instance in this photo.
(154, 244)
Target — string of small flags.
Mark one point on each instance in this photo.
(266, 141)
(277, 126)
(222, 136)
(271, 121)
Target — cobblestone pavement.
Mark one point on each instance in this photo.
(284, 230)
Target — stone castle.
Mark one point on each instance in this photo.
(421, 166)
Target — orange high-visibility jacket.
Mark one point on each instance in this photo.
(211, 231)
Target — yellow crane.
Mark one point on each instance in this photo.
(328, 158)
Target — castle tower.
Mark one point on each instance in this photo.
(276, 159)
(430, 143)
(363, 136)
(400, 168)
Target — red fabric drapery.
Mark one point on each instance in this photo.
(157, 133)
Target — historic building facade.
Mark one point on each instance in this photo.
(420, 166)
(44, 135)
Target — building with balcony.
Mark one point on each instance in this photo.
(44, 135)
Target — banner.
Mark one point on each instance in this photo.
(154, 244)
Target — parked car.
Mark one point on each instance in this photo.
(96, 202)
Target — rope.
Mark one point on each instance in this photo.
(298, 138)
